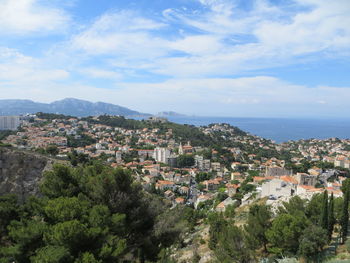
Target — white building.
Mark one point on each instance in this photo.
(161, 154)
(118, 156)
(9, 122)
(277, 188)
(201, 163)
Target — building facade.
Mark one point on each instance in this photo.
(9, 123)
(161, 154)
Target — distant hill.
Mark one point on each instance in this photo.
(69, 106)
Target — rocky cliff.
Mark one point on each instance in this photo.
(21, 172)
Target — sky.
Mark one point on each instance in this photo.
(237, 58)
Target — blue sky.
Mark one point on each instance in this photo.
(263, 58)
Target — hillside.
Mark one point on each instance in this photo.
(21, 172)
(68, 106)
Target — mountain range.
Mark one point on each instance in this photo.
(68, 106)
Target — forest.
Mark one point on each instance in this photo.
(88, 214)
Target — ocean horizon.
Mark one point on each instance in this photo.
(277, 129)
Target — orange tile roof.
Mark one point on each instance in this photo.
(179, 200)
(289, 179)
(221, 205)
(262, 178)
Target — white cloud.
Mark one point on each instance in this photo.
(101, 73)
(20, 70)
(326, 26)
(28, 16)
(228, 40)
(121, 33)
(198, 45)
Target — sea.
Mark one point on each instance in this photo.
(278, 129)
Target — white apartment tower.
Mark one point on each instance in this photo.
(161, 154)
(9, 122)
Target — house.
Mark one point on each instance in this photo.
(211, 184)
(182, 178)
(232, 189)
(184, 190)
(216, 167)
(258, 179)
(236, 176)
(315, 171)
(169, 176)
(308, 191)
(278, 188)
(163, 185)
(340, 161)
(277, 171)
(149, 179)
(224, 204)
(202, 198)
(180, 200)
(289, 179)
(168, 194)
(186, 149)
(306, 179)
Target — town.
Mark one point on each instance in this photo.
(211, 167)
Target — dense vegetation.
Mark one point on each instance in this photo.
(87, 214)
(300, 228)
(4, 134)
(81, 141)
(52, 116)
(182, 132)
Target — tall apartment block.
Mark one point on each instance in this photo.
(9, 122)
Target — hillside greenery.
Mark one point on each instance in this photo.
(88, 214)
(300, 229)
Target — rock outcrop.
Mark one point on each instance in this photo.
(21, 172)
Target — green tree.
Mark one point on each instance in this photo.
(295, 206)
(217, 226)
(87, 258)
(91, 208)
(331, 217)
(9, 210)
(231, 246)
(259, 221)
(52, 254)
(52, 149)
(285, 232)
(314, 209)
(185, 161)
(65, 208)
(230, 211)
(312, 241)
(324, 212)
(27, 234)
(70, 234)
(344, 221)
(61, 181)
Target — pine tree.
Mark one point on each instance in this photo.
(324, 213)
(259, 220)
(345, 216)
(331, 217)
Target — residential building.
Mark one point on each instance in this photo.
(9, 123)
(277, 188)
(161, 154)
